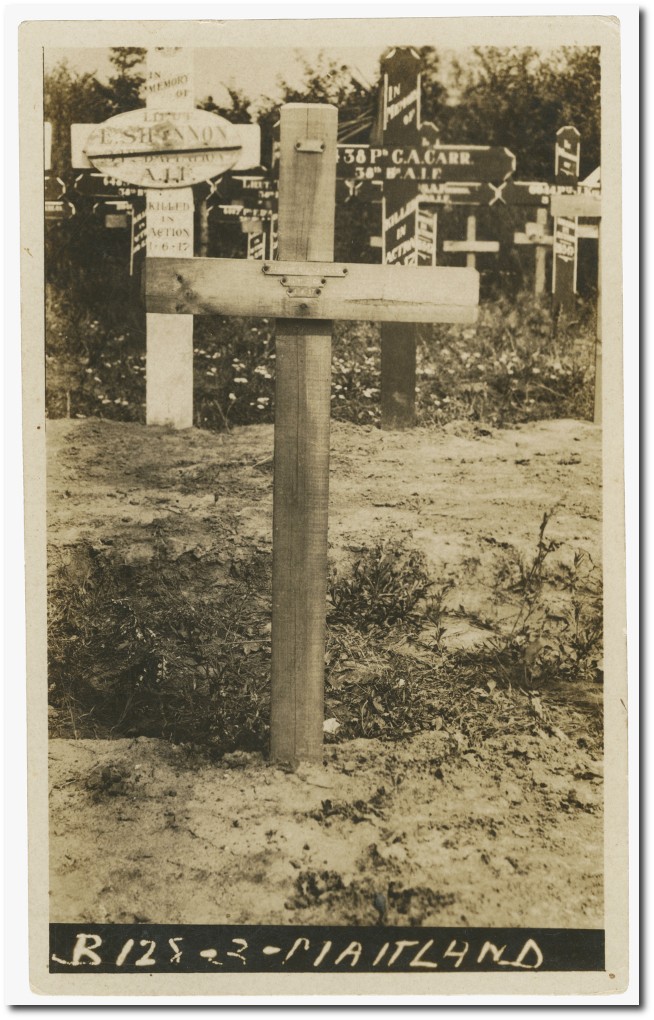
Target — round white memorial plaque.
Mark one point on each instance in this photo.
(164, 149)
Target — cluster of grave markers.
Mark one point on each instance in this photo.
(156, 155)
(406, 170)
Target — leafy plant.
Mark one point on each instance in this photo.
(550, 642)
(388, 585)
(395, 702)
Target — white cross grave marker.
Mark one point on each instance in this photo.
(536, 234)
(164, 148)
(471, 246)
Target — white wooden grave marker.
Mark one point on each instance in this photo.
(471, 246)
(164, 148)
(305, 290)
(535, 234)
(588, 205)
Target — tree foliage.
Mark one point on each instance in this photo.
(70, 97)
(327, 81)
(518, 97)
(128, 79)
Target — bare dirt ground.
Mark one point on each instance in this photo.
(507, 833)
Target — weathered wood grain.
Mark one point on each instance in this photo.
(364, 292)
(307, 186)
(169, 339)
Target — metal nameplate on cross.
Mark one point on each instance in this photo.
(306, 290)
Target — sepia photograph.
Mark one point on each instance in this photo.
(322, 370)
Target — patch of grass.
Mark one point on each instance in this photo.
(517, 364)
(537, 676)
(162, 649)
(395, 700)
(388, 585)
(181, 650)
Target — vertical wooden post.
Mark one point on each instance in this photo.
(307, 186)
(400, 125)
(169, 214)
(203, 228)
(540, 256)
(565, 247)
(471, 237)
(597, 409)
(427, 237)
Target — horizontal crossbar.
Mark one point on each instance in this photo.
(470, 246)
(540, 240)
(302, 291)
(576, 205)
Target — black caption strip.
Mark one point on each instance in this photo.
(201, 949)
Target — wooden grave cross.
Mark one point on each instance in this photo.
(471, 246)
(409, 161)
(165, 148)
(538, 194)
(535, 234)
(305, 290)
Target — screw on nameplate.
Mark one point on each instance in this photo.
(309, 145)
(304, 280)
(305, 269)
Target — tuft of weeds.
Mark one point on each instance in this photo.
(159, 650)
(388, 585)
(551, 638)
(181, 650)
(527, 575)
(532, 678)
(395, 701)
